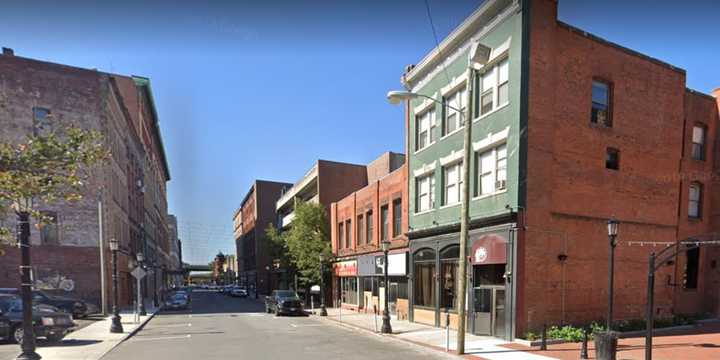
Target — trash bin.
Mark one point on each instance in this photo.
(606, 345)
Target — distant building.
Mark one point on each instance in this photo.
(252, 218)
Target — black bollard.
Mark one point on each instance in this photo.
(543, 339)
(584, 349)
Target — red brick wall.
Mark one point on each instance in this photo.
(699, 110)
(373, 196)
(570, 193)
(81, 265)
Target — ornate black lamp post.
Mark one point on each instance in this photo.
(141, 300)
(22, 210)
(323, 310)
(386, 328)
(612, 227)
(116, 326)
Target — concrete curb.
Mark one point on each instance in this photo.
(130, 334)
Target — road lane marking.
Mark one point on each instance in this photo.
(309, 325)
(176, 325)
(164, 338)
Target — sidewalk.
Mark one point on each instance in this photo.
(476, 347)
(95, 340)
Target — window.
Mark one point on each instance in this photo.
(452, 119)
(491, 171)
(383, 222)
(349, 290)
(397, 217)
(494, 87)
(41, 121)
(49, 229)
(695, 201)
(424, 187)
(600, 113)
(369, 227)
(612, 159)
(424, 278)
(452, 182)
(341, 233)
(360, 231)
(425, 129)
(348, 234)
(448, 276)
(698, 142)
(692, 265)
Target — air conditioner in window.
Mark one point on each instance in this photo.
(500, 184)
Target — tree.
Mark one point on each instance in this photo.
(303, 243)
(47, 169)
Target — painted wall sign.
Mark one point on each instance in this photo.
(345, 268)
(489, 249)
(397, 264)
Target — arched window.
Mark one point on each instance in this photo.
(424, 283)
(448, 276)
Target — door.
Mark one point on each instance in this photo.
(4, 328)
(392, 298)
(489, 299)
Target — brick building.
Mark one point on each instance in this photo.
(569, 130)
(255, 214)
(359, 222)
(37, 95)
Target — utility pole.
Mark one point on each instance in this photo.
(465, 213)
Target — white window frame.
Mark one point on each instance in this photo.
(457, 184)
(698, 131)
(480, 172)
(495, 70)
(457, 99)
(431, 117)
(696, 203)
(430, 178)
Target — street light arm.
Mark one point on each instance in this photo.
(441, 103)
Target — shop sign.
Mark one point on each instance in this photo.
(489, 249)
(345, 268)
(397, 264)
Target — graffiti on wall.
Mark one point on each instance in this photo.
(54, 281)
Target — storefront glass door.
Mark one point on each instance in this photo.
(489, 300)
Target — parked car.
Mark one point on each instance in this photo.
(46, 323)
(238, 291)
(178, 301)
(73, 306)
(284, 302)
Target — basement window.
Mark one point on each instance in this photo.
(612, 159)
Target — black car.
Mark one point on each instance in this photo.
(46, 323)
(77, 308)
(284, 302)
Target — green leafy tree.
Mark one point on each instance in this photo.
(302, 244)
(47, 169)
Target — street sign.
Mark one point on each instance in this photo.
(315, 289)
(138, 273)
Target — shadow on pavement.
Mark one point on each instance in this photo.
(67, 343)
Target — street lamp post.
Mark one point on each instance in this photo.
(23, 233)
(386, 328)
(477, 56)
(116, 325)
(323, 310)
(155, 268)
(141, 301)
(612, 226)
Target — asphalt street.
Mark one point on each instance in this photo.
(221, 327)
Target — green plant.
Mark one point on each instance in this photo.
(531, 336)
(567, 332)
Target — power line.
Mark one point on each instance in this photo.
(437, 42)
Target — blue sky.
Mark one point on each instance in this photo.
(248, 89)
